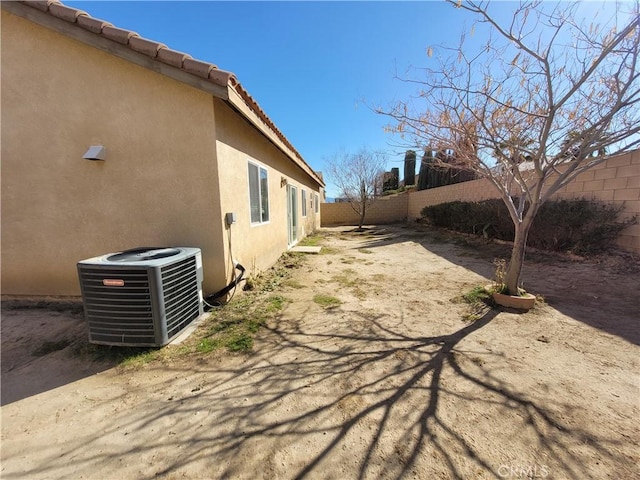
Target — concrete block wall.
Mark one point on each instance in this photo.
(473, 191)
(391, 209)
(617, 181)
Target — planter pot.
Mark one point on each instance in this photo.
(526, 301)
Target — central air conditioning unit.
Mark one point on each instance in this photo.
(141, 297)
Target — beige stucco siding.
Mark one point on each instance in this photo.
(157, 186)
(257, 246)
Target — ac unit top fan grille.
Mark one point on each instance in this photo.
(143, 254)
(141, 302)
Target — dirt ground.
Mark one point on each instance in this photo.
(392, 383)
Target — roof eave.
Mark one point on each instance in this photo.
(33, 12)
(155, 56)
(242, 102)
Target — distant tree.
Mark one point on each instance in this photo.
(425, 167)
(441, 169)
(358, 177)
(409, 168)
(391, 180)
(533, 106)
(395, 178)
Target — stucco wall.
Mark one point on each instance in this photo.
(389, 209)
(157, 186)
(257, 246)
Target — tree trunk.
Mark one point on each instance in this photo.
(362, 212)
(363, 203)
(514, 270)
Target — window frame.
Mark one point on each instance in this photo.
(260, 169)
(316, 201)
(303, 197)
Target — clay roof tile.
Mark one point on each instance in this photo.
(119, 35)
(251, 102)
(40, 5)
(172, 57)
(143, 45)
(197, 67)
(91, 24)
(65, 13)
(222, 77)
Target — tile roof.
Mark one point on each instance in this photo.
(161, 53)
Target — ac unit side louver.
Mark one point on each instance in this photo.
(141, 297)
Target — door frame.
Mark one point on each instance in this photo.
(292, 215)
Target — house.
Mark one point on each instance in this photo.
(182, 144)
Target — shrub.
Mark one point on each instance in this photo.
(489, 218)
(581, 226)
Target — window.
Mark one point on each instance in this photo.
(317, 202)
(258, 193)
(304, 202)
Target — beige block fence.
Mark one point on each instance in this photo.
(391, 209)
(616, 181)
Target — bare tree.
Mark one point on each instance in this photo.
(532, 107)
(359, 177)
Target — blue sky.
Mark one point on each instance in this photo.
(316, 68)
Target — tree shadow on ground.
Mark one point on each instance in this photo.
(386, 420)
(419, 375)
(354, 394)
(600, 295)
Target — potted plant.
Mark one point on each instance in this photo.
(522, 301)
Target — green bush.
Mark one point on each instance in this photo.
(581, 226)
(489, 218)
